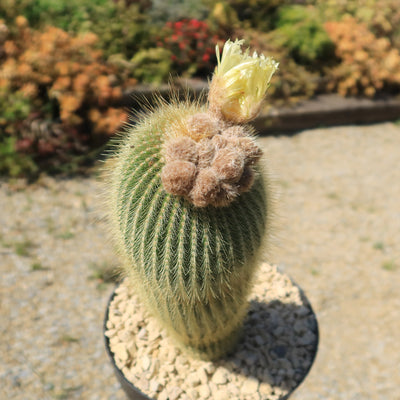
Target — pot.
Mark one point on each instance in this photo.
(299, 327)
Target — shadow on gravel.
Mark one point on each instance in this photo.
(279, 344)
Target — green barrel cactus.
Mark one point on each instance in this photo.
(188, 206)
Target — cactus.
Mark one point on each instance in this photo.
(189, 208)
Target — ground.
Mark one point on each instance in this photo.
(336, 233)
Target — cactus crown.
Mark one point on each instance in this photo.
(189, 208)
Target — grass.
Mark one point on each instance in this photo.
(379, 246)
(37, 266)
(50, 225)
(24, 248)
(65, 235)
(67, 392)
(389, 265)
(104, 273)
(333, 196)
(68, 339)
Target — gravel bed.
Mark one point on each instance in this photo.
(278, 347)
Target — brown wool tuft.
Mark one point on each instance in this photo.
(181, 148)
(178, 177)
(202, 125)
(251, 150)
(226, 195)
(205, 189)
(206, 151)
(235, 130)
(229, 164)
(220, 141)
(246, 181)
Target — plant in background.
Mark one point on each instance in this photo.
(192, 44)
(367, 64)
(256, 14)
(67, 88)
(382, 17)
(122, 27)
(163, 11)
(298, 29)
(152, 65)
(188, 205)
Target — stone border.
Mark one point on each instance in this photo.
(322, 110)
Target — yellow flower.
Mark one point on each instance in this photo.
(240, 82)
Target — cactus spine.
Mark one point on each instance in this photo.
(188, 207)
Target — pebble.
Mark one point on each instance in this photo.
(220, 376)
(193, 379)
(120, 351)
(146, 363)
(204, 391)
(174, 392)
(221, 394)
(155, 386)
(250, 386)
(142, 335)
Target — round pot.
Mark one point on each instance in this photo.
(267, 311)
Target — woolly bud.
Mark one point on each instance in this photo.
(236, 131)
(178, 177)
(220, 141)
(181, 148)
(246, 181)
(206, 188)
(202, 125)
(229, 164)
(250, 149)
(206, 151)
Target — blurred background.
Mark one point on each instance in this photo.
(68, 70)
(67, 65)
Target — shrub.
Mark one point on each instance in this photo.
(381, 16)
(121, 26)
(299, 29)
(60, 79)
(163, 11)
(367, 64)
(192, 44)
(152, 65)
(258, 14)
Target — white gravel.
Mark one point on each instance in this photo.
(275, 354)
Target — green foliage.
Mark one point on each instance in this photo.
(12, 163)
(67, 15)
(192, 266)
(162, 11)
(119, 28)
(14, 106)
(257, 14)
(152, 65)
(299, 29)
